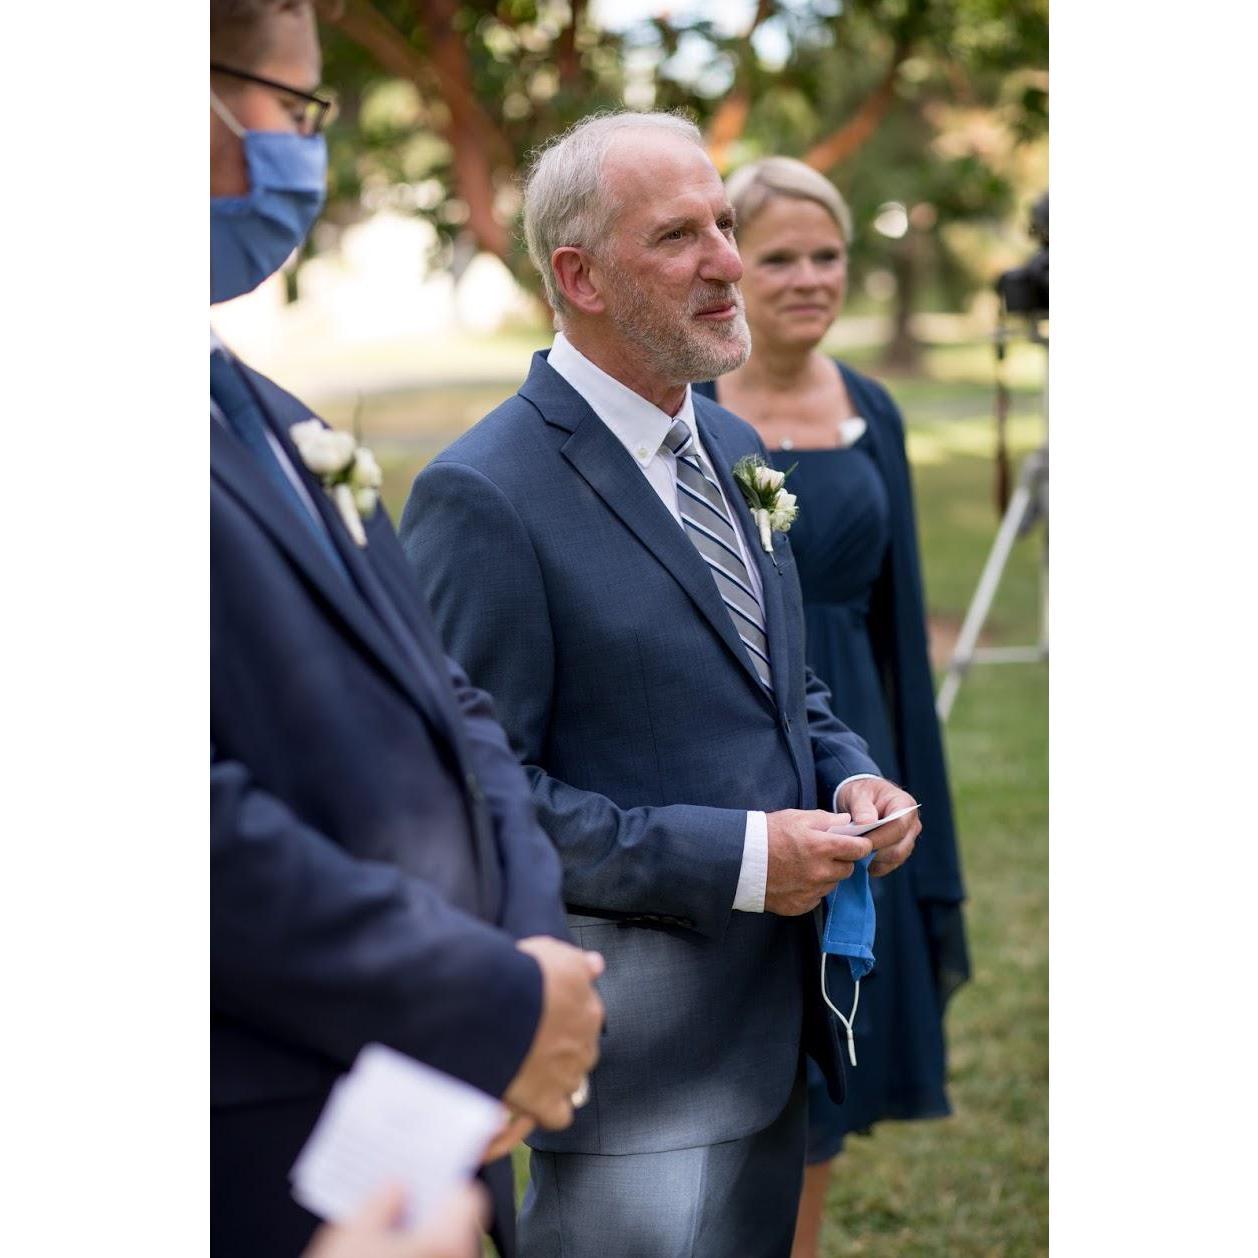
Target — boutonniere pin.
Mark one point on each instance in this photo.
(349, 472)
(772, 506)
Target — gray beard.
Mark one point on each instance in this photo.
(676, 349)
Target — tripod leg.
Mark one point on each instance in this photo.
(1044, 595)
(981, 603)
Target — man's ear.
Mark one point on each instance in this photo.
(572, 266)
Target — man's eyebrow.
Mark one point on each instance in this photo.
(669, 224)
(664, 226)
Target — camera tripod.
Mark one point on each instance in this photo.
(1028, 507)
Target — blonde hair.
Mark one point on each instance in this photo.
(752, 187)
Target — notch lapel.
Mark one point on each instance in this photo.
(604, 464)
(234, 468)
(437, 701)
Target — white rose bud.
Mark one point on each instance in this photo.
(323, 450)
(365, 500)
(769, 478)
(785, 511)
(365, 473)
(303, 433)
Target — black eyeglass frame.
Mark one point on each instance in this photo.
(326, 104)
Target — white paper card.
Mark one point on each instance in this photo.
(857, 831)
(393, 1120)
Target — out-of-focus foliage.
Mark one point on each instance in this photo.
(922, 111)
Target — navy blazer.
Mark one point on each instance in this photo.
(375, 853)
(565, 587)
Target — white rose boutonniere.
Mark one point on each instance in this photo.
(349, 472)
(772, 506)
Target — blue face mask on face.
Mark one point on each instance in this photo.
(849, 932)
(251, 236)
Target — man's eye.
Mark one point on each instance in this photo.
(676, 234)
(777, 259)
(826, 256)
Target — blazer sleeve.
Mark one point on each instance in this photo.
(478, 570)
(330, 952)
(532, 875)
(837, 751)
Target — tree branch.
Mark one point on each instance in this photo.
(369, 28)
(730, 119)
(841, 144)
(474, 138)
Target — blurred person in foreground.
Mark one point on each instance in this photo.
(375, 1232)
(855, 545)
(590, 559)
(377, 871)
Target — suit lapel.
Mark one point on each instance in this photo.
(599, 458)
(723, 460)
(235, 469)
(371, 574)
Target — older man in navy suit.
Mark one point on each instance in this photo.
(591, 561)
(378, 873)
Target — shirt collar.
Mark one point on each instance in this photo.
(636, 423)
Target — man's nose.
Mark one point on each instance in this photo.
(721, 262)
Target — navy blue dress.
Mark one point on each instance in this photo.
(855, 544)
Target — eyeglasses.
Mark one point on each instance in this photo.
(318, 111)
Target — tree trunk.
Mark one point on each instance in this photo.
(904, 351)
(472, 134)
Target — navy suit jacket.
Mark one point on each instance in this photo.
(375, 852)
(566, 588)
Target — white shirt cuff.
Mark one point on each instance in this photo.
(753, 877)
(856, 777)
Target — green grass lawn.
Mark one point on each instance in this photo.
(974, 1184)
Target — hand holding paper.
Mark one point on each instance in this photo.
(392, 1120)
(873, 803)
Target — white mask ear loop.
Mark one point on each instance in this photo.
(225, 116)
(847, 1022)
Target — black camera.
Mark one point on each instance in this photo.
(1024, 289)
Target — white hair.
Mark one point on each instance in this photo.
(564, 201)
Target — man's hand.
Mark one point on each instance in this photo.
(867, 799)
(565, 1045)
(806, 863)
(453, 1232)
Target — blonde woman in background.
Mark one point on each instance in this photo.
(856, 548)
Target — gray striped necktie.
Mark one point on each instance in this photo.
(709, 527)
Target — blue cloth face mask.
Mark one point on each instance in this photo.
(251, 236)
(849, 932)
